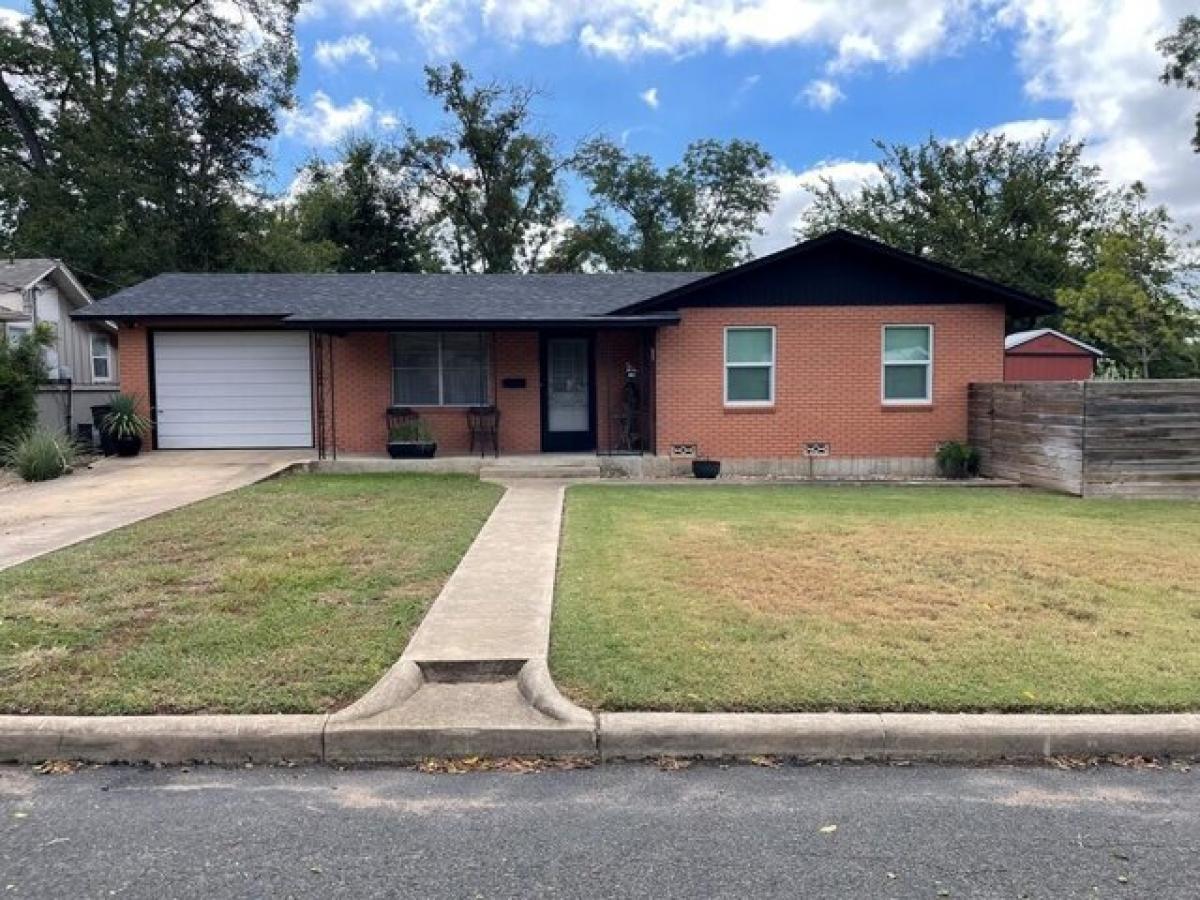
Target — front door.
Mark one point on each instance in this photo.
(568, 395)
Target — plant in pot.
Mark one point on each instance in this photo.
(125, 424)
(411, 440)
(957, 460)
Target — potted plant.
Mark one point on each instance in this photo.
(125, 425)
(706, 468)
(411, 440)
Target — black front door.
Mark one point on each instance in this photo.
(568, 394)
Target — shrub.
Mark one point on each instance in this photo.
(123, 419)
(21, 369)
(40, 454)
(957, 460)
(411, 433)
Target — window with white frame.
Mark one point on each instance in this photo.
(907, 364)
(749, 366)
(16, 333)
(440, 368)
(101, 357)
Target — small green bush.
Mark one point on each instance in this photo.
(411, 433)
(40, 454)
(957, 460)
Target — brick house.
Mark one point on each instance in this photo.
(840, 349)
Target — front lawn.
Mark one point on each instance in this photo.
(293, 595)
(876, 598)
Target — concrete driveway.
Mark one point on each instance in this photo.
(39, 518)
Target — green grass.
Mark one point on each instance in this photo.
(876, 598)
(293, 595)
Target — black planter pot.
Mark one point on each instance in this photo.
(706, 468)
(128, 446)
(412, 449)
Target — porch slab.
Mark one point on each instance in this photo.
(496, 605)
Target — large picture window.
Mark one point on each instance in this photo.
(749, 366)
(440, 368)
(907, 364)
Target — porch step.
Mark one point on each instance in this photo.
(548, 465)
(489, 471)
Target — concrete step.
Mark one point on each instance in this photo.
(557, 471)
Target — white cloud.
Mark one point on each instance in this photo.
(1100, 58)
(387, 121)
(897, 33)
(10, 18)
(650, 97)
(323, 122)
(795, 196)
(822, 94)
(334, 54)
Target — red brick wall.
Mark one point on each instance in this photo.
(827, 381)
(613, 350)
(362, 385)
(133, 362)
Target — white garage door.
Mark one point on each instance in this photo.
(232, 389)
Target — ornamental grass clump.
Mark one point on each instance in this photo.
(40, 454)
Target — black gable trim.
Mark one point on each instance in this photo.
(842, 269)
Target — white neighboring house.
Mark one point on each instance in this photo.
(82, 363)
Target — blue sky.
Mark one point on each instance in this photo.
(812, 80)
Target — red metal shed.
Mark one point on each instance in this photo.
(1048, 355)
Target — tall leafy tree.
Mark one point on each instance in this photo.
(698, 214)
(367, 205)
(1024, 214)
(496, 182)
(1182, 50)
(128, 130)
(1133, 302)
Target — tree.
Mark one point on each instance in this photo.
(1131, 303)
(21, 370)
(497, 184)
(367, 206)
(1182, 50)
(129, 130)
(1022, 214)
(696, 215)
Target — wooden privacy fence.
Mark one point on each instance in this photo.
(1091, 438)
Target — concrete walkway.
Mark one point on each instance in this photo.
(39, 518)
(496, 605)
(474, 679)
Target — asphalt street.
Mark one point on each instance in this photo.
(614, 831)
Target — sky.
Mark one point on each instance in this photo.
(813, 81)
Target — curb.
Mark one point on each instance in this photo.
(163, 739)
(934, 737)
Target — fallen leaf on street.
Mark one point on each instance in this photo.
(57, 767)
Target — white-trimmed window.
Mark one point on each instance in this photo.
(440, 368)
(16, 333)
(101, 347)
(749, 365)
(907, 364)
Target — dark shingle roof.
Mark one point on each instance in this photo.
(388, 296)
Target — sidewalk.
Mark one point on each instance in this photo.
(496, 605)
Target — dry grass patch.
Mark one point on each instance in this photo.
(290, 596)
(804, 597)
